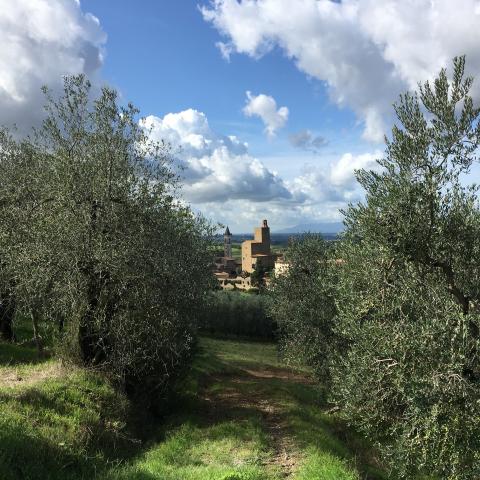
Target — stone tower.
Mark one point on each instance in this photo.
(227, 243)
(257, 252)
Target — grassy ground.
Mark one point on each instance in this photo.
(248, 418)
(240, 416)
(58, 423)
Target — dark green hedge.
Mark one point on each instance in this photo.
(237, 313)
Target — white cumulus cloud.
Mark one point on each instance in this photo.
(336, 182)
(223, 180)
(43, 40)
(366, 51)
(216, 167)
(265, 107)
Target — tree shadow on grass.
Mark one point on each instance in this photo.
(26, 455)
(192, 447)
(226, 399)
(245, 383)
(50, 433)
(12, 354)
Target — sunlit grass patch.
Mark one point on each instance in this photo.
(60, 423)
(328, 448)
(318, 465)
(243, 353)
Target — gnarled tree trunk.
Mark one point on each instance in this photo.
(7, 314)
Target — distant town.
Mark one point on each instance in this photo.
(256, 264)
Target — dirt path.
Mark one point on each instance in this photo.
(244, 393)
(286, 455)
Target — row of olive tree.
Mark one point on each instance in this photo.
(96, 246)
(390, 316)
(237, 313)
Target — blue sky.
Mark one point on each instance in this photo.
(321, 77)
(162, 56)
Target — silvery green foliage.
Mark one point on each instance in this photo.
(105, 252)
(409, 290)
(302, 303)
(237, 313)
(20, 219)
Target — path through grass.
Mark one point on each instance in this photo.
(240, 415)
(249, 418)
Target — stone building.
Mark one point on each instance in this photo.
(256, 252)
(227, 243)
(227, 263)
(281, 267)
(226, 282)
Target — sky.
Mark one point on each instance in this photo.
(269, 105)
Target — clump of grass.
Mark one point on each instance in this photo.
(318, 465)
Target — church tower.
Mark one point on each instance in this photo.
(227, 243)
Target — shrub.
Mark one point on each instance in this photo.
(409, 290)
(393, 328)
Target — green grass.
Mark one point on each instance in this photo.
(319, 465)
(68, 427)
(14, 354)
(237, 250)
(235, 355)
(235, 444)
(196, 447)
(329, 449)
(58, 423)
(192, 451)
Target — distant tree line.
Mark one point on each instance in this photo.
(237, 313)
(96, 248)
(389, 317)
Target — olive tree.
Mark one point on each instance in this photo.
(118, 266)
(408, 294)
(303, 304)
(20, 217)
(9, 200)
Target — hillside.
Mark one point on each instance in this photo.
(326, 228)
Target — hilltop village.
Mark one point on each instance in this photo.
(257, 262)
